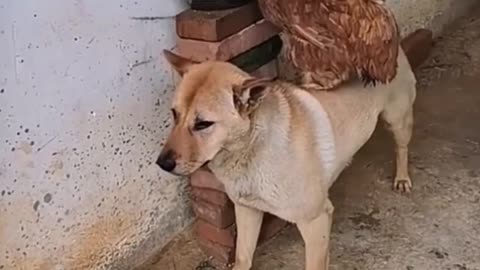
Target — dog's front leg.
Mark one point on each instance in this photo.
(249, 222)
(316, 235)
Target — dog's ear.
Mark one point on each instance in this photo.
(179, 63)
(248, 95)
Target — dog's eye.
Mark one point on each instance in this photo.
(202, 125)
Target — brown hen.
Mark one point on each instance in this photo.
(330, 41)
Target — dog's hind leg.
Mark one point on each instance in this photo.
(249, 222)
(401, 127)
(316, 235)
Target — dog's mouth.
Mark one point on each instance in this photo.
(184, 174)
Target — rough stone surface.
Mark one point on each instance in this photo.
(223, 255)
(436, 227)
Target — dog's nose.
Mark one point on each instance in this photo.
(166, 161)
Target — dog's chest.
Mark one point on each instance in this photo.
(259, 194)
(274, 190)
(252, 183)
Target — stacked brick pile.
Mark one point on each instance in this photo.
(241, 36)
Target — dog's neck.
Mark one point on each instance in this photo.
(270, 124)
(239, 154)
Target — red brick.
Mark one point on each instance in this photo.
(210, 195)
(417, 46)
(270, 227)
(219, 216)
(224, 237)
(269, 70)
(224, 255)
(228, 48)
(204, 178)
(216, 25)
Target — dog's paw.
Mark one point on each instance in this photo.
(402, 185)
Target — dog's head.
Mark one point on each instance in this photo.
(211, 109)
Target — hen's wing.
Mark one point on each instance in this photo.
(375, 40)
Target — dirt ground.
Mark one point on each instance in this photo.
(437, 226)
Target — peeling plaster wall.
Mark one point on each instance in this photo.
(84, 100)
(84, 106)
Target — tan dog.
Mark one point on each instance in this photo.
(278, 148)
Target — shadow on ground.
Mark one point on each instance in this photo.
(437, 226)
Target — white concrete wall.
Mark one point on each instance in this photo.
(83, 108)
(84, 97)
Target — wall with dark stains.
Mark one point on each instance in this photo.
(84, 106)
